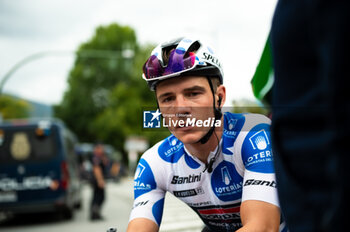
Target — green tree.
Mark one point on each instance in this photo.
(106, 94)
(98, 67)
(13, 108)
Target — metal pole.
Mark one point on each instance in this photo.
(108, 54)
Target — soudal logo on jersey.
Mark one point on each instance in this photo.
(260, 182)
(226, 217)
(222, 217)
(186, 179)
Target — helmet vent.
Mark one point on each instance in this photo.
(193, 48)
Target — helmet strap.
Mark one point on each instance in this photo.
(217, 115)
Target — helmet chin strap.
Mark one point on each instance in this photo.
(205, 138)
(217, 115)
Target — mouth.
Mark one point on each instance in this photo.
(183, 128)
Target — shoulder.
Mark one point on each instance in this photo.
(169, 150)
(256, 147)
(152, 151)
(256, 126)
(234, 123)
(247, 120)
(154, 165)
(252, 120)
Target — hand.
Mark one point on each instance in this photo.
(101, 184)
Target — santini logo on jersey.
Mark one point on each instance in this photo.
(187, 179)
(260, 182)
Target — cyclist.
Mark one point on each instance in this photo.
(222, 170)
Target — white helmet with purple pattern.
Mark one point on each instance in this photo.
(185, 57)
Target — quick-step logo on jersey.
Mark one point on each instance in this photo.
(226, 182)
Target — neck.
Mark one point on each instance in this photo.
(202, 151)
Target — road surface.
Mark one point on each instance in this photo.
(177, 216)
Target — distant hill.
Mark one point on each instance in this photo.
(37, 109)
(40, 109)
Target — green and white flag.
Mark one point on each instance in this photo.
(263, 78)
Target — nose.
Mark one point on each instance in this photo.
(181, 101)
(182, 107)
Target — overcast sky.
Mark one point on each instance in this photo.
(237, 29)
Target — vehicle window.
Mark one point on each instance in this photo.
(27, 143)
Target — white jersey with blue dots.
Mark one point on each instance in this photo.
(243, 170)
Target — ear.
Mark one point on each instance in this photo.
(220, 96)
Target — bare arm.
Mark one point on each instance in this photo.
(259, 216)
(142, 225)
(99, 176)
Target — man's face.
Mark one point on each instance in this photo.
(182, 98)
(99, 150)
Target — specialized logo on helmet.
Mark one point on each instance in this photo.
(211, 58)
(226, 182)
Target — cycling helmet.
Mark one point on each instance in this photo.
(185, 57)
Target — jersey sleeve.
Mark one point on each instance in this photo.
(259, 181)
(148, 197)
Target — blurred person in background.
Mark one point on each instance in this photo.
(311, 111)
(100, 163)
